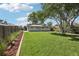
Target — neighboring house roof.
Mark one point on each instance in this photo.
(4, 23)
(37, 25)
(1, 21)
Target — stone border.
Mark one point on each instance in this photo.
(18, 51)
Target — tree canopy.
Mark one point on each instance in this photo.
(64, 14)
(37, 16)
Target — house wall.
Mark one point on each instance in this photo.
(38, 28)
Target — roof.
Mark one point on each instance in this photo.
(8, 24)
(4, 23)
(1, 21)
(36, 25)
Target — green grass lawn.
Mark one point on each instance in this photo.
(49, 44)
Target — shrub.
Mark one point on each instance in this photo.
(56, 28)
(76, 30)
(5, 41)
(2, 48)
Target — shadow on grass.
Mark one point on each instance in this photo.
(74, 37)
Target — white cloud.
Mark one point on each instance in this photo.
(22, 21)
(13, 7)
(28, 14)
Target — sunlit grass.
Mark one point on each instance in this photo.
(48, 44)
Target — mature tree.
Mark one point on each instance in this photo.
(40, 16)
(36, 16)
(63, 14)
(33, 18)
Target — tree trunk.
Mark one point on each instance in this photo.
(71, 25)
(60, 23)
(62, 27)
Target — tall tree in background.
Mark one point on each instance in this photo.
(33, 17)
(64, 14)
(40, 16)
(37, 16)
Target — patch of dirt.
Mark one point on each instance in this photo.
(13, 46)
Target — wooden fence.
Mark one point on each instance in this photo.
(6, 30)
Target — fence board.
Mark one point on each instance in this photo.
(6, 30)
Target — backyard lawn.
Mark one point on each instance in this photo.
(49, 44)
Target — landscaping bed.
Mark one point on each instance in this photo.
(13, 46)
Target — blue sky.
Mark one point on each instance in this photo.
(17, 13)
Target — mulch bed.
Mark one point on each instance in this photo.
(13, 46)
